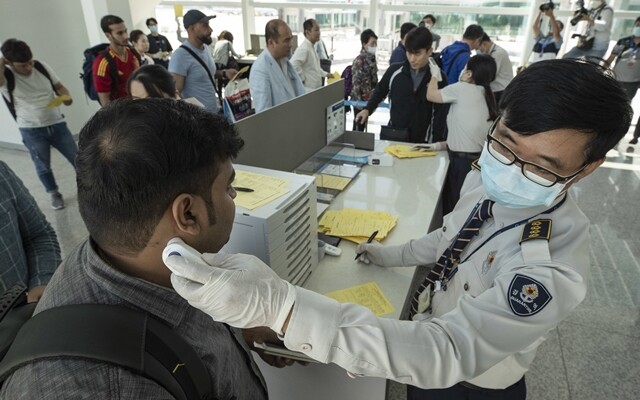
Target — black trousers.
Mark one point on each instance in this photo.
(517, 391)
(459, 167)
(631, 89)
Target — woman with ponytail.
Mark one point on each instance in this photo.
(473, 110)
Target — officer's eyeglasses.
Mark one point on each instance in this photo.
(534, 172)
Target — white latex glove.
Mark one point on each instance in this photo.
(237, 289)
(384, 256)
(429, 146)
(435, 70)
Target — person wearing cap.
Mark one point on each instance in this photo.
(273, 78)
(192, 65)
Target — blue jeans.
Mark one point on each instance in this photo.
(39, 142)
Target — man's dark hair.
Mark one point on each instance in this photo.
(568, 94)
(135, 35)
(308, 24)
(272, 30)
(136, 156)
(431, 16)
(15, 50)
(483, 71)
(417, 39)
(108, 20)
(155, 78)
(637, 20)
(485, 38)
(406, 28)
(473, 32)
(366, 35)
(150, 20)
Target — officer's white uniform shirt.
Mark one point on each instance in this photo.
(474, 333)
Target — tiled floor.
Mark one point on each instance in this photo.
(594, 354)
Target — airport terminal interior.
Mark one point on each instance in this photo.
(594, 353)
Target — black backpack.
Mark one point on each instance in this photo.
(11, 85)
(86, 75)
(113, 334)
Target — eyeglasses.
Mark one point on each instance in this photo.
(534, 172)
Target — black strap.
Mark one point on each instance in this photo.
(113, 71)
(117, 335)
(215, 88)
(11, 85)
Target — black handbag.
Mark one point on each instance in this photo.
(395, 134)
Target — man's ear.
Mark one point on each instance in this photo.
(187, 217)
(429, 51)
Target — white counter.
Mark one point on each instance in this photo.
(410, 189)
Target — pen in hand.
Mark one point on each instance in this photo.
(242, 189)
(373, 236)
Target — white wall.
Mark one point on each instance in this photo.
(57, 32)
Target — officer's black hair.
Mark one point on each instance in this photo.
(568, 94)
(150, 20)
(417, 39)
(483, 71)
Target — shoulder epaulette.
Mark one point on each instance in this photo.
(536, 229)
(475, 165)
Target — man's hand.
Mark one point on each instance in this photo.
(35, 293)
(384, 256)
(237, 289)
(230, 73)
(434, 69)
(362, 117)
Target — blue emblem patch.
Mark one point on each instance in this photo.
(527, 296)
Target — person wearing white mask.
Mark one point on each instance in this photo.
(626, 55)
(428, 21)
(512, 259)
(594, 41)
(159, 47)
(364, 73)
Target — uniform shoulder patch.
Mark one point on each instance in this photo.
(536, 229)
(476, 165)
(527, 296)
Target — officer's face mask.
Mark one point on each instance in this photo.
(371, 50)
(636, 31)
(153, 28)
(507, 186)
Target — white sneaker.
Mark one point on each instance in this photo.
(57, 202)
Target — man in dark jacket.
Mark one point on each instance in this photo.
(406, 86)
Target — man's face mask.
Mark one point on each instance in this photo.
(153, 28)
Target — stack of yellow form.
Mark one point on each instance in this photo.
(263, 189)
(356, 225)
(403, 151)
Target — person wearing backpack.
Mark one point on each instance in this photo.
(455, 56)
(29, 87)
(406, 86)
(148, 170)
(113, 66)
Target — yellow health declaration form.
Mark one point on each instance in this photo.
(262, 189)
(368, 294)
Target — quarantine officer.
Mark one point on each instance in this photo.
(512, 258)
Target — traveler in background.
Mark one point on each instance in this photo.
(504, 72)
(546, 47)
(41, 126)
(473, 110)
(399, 54)
(364, 75)
(323, 55)
(192, 65)
(159, 46)
(273, 79)
(140, 44)
(626, 55)
(223, 52)
(406, 86)
(429, 21)
(455, 56)
(305, 59)
(152, 80)
(30, 251)
(123, 57)
(598, 28)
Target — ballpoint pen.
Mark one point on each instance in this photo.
(242, 189)
(373, 235)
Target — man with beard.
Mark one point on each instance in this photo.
(192, 65)
(113, 85)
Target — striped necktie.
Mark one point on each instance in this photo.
(451, 256)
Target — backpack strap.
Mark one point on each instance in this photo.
(40, 68)
(117, 335)
(194, 55)
(113, 70)
(11, 85)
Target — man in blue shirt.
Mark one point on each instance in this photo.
(399, 54)
(192, 65)
(456, 55)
